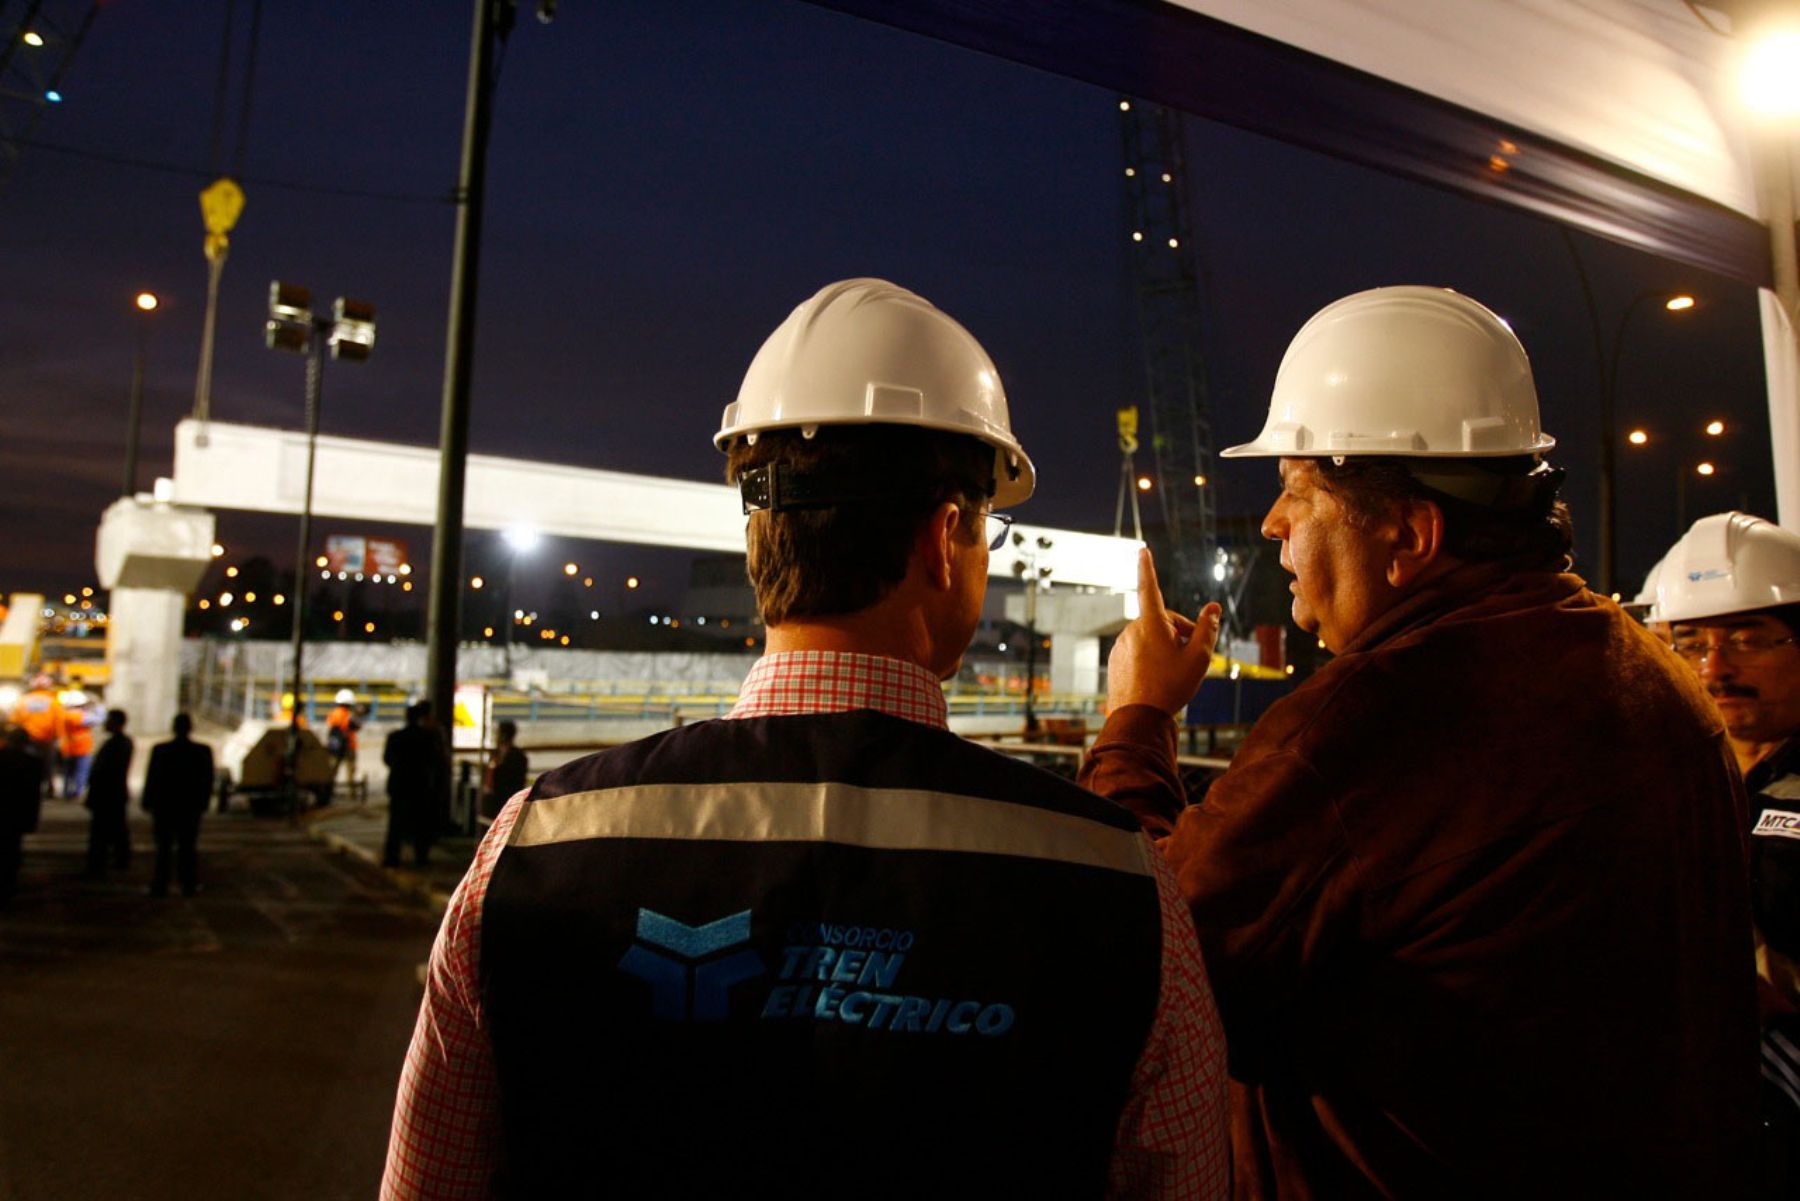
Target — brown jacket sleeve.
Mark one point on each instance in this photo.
(1261, 860)
(1132, 763)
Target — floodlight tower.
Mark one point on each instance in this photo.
(349, 332)
(1036, 577)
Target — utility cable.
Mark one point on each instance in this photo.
(221, 87)
(292, 185)
(243, 129)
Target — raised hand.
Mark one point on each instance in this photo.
(1161, 657)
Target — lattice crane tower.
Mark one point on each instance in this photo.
(1168, 299)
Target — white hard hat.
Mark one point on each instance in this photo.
(344, 697)
(865, 352)
(1728, 563)
(1646, 596)
(1405, 371)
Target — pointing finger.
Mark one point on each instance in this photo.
(1150, 603)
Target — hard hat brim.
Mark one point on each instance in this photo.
(1263, 448)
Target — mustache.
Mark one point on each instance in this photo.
(1736, 691)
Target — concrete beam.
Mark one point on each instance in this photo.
(263, 470)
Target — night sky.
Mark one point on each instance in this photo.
(666, 182)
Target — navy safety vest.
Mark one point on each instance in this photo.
(816, 955)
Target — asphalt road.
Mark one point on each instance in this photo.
(244, 1043)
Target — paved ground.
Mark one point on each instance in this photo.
(360, 832)
(244, 1043)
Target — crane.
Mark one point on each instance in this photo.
(1166, 282)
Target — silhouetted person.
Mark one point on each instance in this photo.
(418, 783)
(506, 768)
(176, 791)
(21, 787)
(108, 797)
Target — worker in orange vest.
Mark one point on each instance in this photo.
(77, 742)
(342, 723)
(40, 715)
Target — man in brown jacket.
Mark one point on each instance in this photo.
(1473, 898)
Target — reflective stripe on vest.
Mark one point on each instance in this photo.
(880, 819)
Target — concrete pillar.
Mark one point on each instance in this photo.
(150, 555)
(1075, 620)
(1075, 664)
(144, 650)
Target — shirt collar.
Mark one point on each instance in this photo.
(837, 681)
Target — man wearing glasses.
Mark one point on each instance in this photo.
(1728, 598)
(825, 944)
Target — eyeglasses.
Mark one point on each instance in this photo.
(1741, 646)
(997, 526)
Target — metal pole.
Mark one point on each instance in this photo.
(1606, 448)
(1031, 648)
(134, 422)
(506, 614)
(215, 267)
(1609, 448)
(459, 355)
(315, 384)
(1608, 507)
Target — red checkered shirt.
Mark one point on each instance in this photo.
(445, 1143)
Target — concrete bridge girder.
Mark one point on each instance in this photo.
(152, 554)
(263, 470)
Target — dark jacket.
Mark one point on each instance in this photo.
(831, 947)
(506, 772)
(1774, 787)
(179, 782)
(21, 790)
(1474, 903)
(107, 789)
(418, 784)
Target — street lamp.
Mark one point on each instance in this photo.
(1036, 576)
(1609, 392)
(349, 332)
(1685, 465)
(146, 303)
(521, 539)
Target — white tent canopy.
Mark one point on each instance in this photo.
(1618, 117)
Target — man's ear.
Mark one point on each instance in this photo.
(1418, 541)
(937, 545)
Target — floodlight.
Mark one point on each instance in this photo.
(352, 329)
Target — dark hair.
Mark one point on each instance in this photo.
(184, 725)
(115, 719)
(841, 558)
(1537, 530)
(509, 730)
(417, 712)
(1787, 615)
